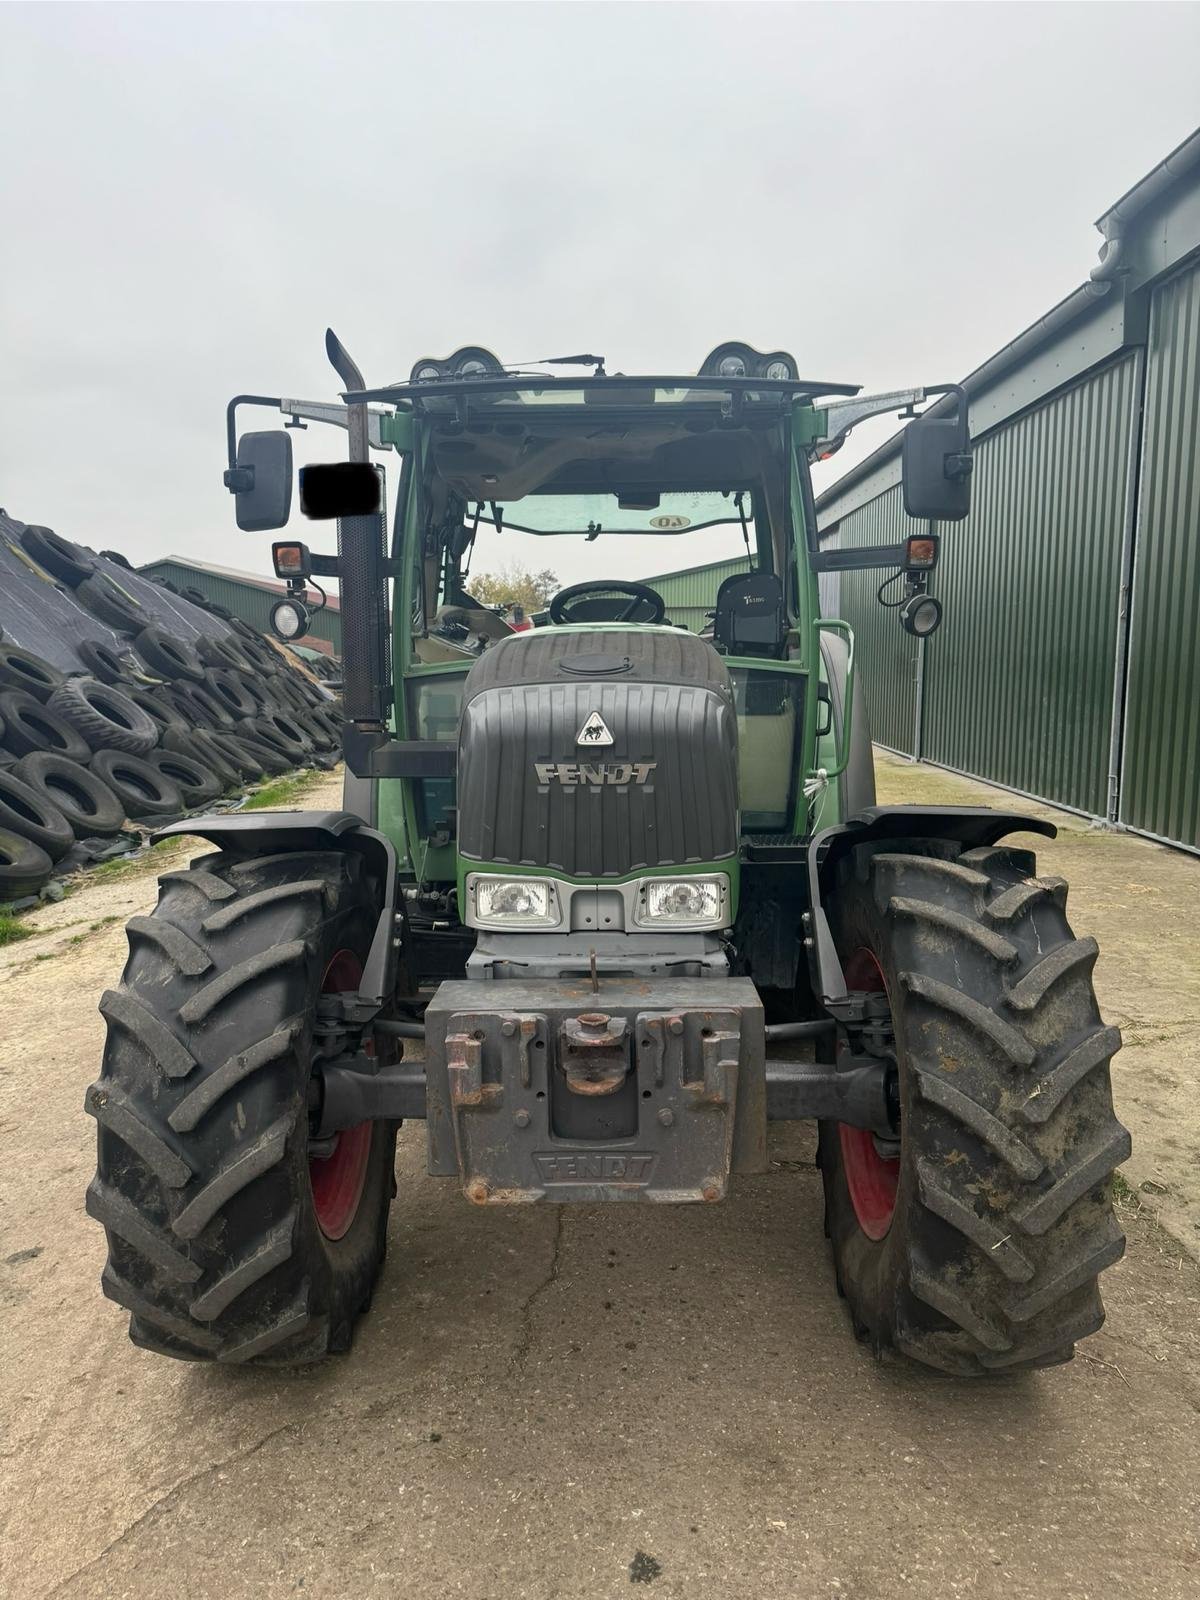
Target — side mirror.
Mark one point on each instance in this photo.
(936, 460)
(261, 481)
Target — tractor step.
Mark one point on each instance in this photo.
(775, 847)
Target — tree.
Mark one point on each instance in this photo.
(514, 585)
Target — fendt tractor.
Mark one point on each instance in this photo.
(608, 894)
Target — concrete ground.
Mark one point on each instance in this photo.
(570, 1405)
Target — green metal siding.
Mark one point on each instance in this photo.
(885, 654)
(1160, 784)
(253, 605)
(689, 595)
(1019, 680)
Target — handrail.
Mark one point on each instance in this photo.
(837, 625)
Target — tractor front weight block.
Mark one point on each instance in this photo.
(617, 1089)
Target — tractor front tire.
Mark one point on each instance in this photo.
(229, 1239)
(974, 1243)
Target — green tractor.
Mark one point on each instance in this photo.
(607, 895)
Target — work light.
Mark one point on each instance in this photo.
(681, 902)
(921, 615)
(921, 551)
(289, 619)
(291, 560)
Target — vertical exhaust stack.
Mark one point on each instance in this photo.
(362, 548)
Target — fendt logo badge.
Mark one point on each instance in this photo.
(577, 774)
(632, 1169)
(594, 731)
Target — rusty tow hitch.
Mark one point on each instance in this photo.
(594, 1053)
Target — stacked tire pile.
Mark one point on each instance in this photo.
(143, 734)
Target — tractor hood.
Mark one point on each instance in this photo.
(596, 753)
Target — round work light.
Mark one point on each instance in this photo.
(289, 619)
(921, 615)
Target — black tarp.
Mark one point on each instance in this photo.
(42, 615)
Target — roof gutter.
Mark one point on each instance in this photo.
(1116, 219)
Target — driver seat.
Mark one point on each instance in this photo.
(750, 619)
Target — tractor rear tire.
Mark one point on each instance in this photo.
(228, 1240)
(974, 1244)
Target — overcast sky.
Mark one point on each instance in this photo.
(190, 194)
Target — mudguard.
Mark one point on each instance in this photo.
(968, 826)
(250, 833)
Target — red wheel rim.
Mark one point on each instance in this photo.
(871, 1180)
(337, 1179)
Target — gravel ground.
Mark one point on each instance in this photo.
(577, 1404)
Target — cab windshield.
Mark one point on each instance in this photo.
(589, 538)
(651, 515)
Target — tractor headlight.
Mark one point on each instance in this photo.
(682, 903)
(512, 902)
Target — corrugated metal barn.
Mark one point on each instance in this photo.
(691, 595)
(1068, 664)
(249, 596)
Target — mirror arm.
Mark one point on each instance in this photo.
(842, 415)
(235, 473)
(338, 416)
(860, 558)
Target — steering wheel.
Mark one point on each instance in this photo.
(581, 602)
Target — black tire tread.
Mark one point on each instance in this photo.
(1004, 1220)
(233, 1177)
(202, 1116)
(179, 947)
(113, 1109)
(267, 1253)
(227, 1076)
(159, 1045)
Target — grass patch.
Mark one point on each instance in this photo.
(92, 927)
(133, 865)
(280, 792)
(11, 929)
